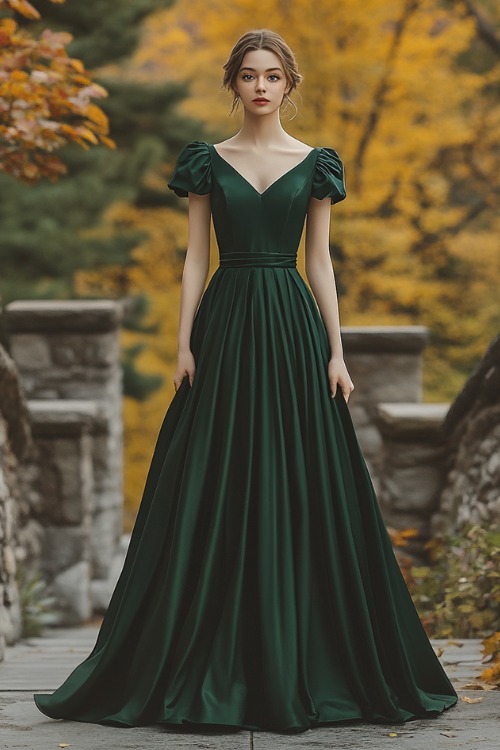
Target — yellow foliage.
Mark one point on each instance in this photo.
(491, 648)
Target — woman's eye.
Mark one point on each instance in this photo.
(245, 76)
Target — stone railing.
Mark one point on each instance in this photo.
(401, 436)
(385, 364)
(64, 432)
(413, 466)
(68, 357)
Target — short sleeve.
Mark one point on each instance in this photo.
(192, 172)
(329, 176)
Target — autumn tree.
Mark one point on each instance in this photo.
(45, 99)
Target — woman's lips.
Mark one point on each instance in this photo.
(261, 101)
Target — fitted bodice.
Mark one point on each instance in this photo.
(252, 227)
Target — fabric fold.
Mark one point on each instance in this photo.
(329, 176)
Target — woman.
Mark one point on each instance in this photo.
(260, 589)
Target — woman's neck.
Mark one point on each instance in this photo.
(262, 131)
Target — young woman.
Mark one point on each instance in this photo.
(260, 588)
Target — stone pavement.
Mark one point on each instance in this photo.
(41, 664)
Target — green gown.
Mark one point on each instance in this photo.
(260, 589)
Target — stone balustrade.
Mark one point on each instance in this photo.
(67, 353)
(63, 431)
(385, 364)
(412, 464)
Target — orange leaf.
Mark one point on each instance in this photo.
(108, 141)
(77, 65)
(24, 8)
(88, 135)
(94, 113)
(8, 25)
(19, 75)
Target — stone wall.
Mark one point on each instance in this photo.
(471, 491)
(20, 533)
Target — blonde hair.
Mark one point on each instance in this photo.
(261, 39)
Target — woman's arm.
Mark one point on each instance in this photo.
(320, 274)
(194, 276)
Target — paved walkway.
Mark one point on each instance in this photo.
(41, 664)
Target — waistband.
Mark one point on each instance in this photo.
(242, 260)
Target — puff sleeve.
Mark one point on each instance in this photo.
(328, 177)
(192, 172)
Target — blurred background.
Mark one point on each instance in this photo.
(406, 91)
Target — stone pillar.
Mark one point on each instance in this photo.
(413, 465)
(385, 364)
(70, 349)
(62, 433)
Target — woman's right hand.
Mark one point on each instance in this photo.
(185, 366)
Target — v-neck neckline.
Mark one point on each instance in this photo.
(292, 169)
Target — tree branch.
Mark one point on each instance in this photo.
(485, 28)
(381, 91)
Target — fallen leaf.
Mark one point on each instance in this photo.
(454, 643)
(466, 699)
(448, 733)
(439, 651)
(63, 744)
(392, 734)
(473, 686)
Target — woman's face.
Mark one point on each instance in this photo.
(261, 75)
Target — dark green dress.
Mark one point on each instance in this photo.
(260, 589)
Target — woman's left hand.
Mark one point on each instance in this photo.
(339, 377)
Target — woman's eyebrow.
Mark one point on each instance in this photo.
(266, 71)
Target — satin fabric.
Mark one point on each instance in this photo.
(260, 589)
